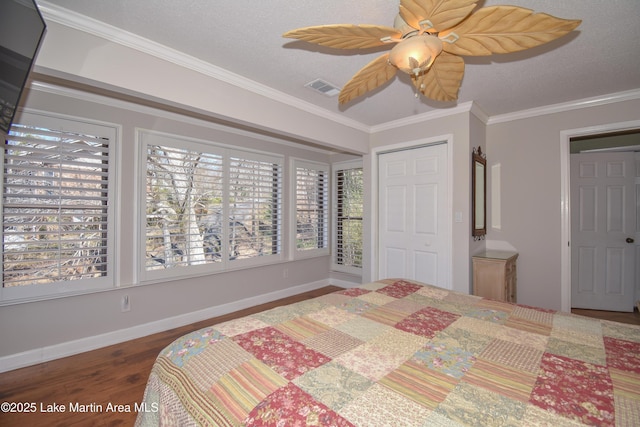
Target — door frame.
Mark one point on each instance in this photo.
(373, 250)
(565, 199)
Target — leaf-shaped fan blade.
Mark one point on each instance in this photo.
(344, 36)
(443, 14)
(442, 81)
(504, 29)
(372, 75)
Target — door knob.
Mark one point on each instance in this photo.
(630, 240)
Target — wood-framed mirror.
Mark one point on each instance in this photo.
(478, 194)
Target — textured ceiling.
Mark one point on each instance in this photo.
(244, 37)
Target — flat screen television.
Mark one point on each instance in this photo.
(21, 31)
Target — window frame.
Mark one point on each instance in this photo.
(336, 168)
(146, 137)
(325, 168)
(83, 126)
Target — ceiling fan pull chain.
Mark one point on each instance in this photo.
(418, 86)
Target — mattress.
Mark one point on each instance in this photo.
(399, 353)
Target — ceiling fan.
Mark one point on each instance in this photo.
(430, 36)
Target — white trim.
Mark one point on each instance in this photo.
(144, 138)
(74, 20)
(565, 200)
(566, 106)
(343, 283)
(112, 131)
(69, 348)
(430, 115)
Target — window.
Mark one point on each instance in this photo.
(348, 203)
(184, 207)
(255, 193)
(208, 208)
(311, 207)
(56, 208)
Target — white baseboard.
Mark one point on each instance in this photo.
(344, 283)
(69, 348)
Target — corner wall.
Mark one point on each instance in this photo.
(528, 150)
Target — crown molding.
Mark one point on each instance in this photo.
(566, 106)
(68, 18)
(424, 117)
(480, 114)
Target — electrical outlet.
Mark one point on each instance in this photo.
(125, 303)
(285, 273)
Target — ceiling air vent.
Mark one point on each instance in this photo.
(323, 87)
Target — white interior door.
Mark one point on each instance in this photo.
(414, 238)
(603, 207)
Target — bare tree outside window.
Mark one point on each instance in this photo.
(193, 217)
(184, 188)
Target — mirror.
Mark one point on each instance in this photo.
(478, 194)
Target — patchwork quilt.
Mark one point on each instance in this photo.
(399, 353)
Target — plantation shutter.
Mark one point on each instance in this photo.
(349, 211)
(207, 206)
(54, 206)
(312, 214)
(184, 207)
(255, 205)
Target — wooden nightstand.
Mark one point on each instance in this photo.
(494, 275)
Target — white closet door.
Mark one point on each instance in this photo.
(414, 237)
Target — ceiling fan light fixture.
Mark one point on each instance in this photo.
(415, 55)
(430, 38)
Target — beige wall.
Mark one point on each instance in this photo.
(529, 153)
(82, 57)
(27, 327)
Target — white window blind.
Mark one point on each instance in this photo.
(348, 219)
(255, 205)
(312, 207)
(54, 206)
(208, 206)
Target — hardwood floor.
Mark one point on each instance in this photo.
(117, 375)
(631, 318)
(114, 375)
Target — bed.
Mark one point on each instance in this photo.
(399, 353)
